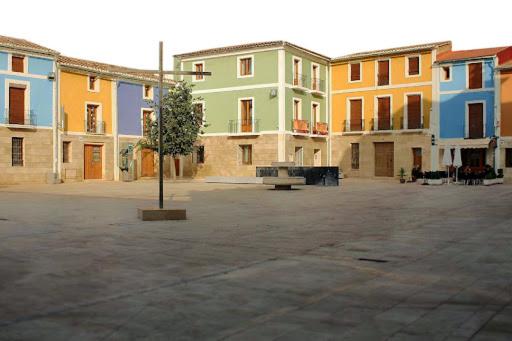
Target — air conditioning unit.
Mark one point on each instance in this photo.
(51, 76)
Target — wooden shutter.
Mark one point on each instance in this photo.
(383, 113)
(383, 72)
(355, 72)
(413, 111)
(475, 75)
(356, 112)
(476, 120)
(16, 105)
(414, 66)
(17, 64)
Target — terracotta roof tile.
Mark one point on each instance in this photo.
(468, 54)
(391, 51)
(244, 47)
(107, 69)
(26, 45)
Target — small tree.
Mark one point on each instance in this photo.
(181, 124)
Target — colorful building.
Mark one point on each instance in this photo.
(505, 118)
(264, 102)
(27, 108)
(382, 108)
(468, 90)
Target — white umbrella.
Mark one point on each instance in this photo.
(447, 161)
(457, 162)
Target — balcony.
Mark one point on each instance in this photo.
(19, 119)
(299, 82)
(244, 127)
(381, 125)
(300, 126)
(317, 86)
(320, 128)
(94, 127)
(356, 126)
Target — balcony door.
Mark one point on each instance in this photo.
(356, 114)
(16, 105)
(476, 120)
(246, 115)
(383, 113)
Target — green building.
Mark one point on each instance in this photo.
(264, 102)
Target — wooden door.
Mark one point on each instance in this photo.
(16, 105)
(417, 157)
(413, 111)
(148, 163)
(383, 113)
(384, 159)
(476, 120)
(356, 115)
(246, 113)
(177, 166)
(92, 161)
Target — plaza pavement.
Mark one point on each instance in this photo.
(368, 260)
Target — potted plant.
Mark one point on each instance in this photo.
(402, 175)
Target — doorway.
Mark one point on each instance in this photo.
(148, 163)
(93, 165)
(384, 159)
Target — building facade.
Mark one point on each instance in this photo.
(382, 109)
(264, 102)
(27, 109)
(469, 104)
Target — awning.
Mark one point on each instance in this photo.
(465, 143)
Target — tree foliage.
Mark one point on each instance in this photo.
(182, 122)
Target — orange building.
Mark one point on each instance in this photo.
(382, 104)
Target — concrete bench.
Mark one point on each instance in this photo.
(283, 181)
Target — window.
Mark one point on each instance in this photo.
(245, 67)
(475, 75)
(246, 150)
(17, 151)
(446, 73)
(383, 72)
(18, 64)
(198, 67)
(413, 66)
(200, 154)
(299, 156)
(147, 120)
(297, 72)
(297, 109)
(92, 118)
(148, 91)
(508, 157)
(93, 83)
(356, 115)
(355, 72)
(355, 155)
(66, 151)
(414, 112)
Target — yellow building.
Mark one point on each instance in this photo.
(86, 120)
(382, 104)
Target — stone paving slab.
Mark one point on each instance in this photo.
(370, 260)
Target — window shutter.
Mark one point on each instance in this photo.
(414, 66)
(355, 72)
(475, 75)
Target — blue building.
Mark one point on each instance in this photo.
(467, 103)
(27, 107)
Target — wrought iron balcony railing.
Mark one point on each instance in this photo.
(94, 127)
(19, 118)
(243, 126)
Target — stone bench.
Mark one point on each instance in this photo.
(283, 181)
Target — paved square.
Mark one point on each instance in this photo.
(252, 263)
